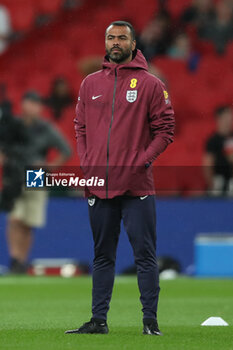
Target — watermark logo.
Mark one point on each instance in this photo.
(35, 178)
(42, 179)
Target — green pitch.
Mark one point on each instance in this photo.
(35, 312)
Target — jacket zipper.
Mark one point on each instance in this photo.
(109, 130)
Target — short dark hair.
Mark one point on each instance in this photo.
(221, 109)
(123, 24)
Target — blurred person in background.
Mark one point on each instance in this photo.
(156, 36)
(220, 29)
(89, 64)
(218, 159)
(70, 4)
(5, 102)
(198, 12)
(60, 97)
(5, 28)
(181, 49)
(29, 208)
(13, 146)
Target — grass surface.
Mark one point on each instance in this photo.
(35, 312)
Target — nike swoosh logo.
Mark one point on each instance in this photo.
(143, 197)
(95, 97)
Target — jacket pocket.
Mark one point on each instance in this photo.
(139, 165)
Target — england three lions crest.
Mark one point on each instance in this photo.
(131, 95)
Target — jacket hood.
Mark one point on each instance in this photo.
(138, 62)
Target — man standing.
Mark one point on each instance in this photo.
(124, 121)
(218, 158)
(29, 207)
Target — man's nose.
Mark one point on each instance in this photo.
(116, 42)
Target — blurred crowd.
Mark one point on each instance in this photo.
(9, 34)
(204, 18)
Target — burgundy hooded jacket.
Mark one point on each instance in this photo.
(124, 120)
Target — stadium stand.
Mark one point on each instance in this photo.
(55, 49)
(24, 12)
(177, 7)
(48, 7)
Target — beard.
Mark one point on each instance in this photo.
(120, 56)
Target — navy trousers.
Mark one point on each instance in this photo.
(139, 219)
